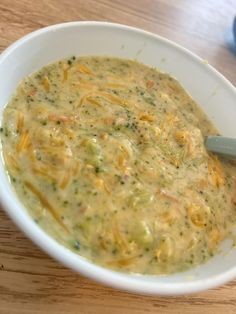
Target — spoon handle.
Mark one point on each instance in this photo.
(224, 146)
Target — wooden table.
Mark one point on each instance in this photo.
(30, 281)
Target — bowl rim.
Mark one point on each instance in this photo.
(118, 280)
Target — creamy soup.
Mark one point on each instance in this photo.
(108, 157)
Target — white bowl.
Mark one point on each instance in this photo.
(209, 88)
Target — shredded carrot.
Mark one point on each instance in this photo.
(198, 214)
(20, 122)
(23, 142)
(121, 161)
(123, 261)
(183, 138)
(83, 99)
(65, 75)
(84, 69)
(93, 101)
(125, 151)
(43, 172)
(174, 88)
(216, 171)
(43, 200)
(111, 98)
(147, 117)
(114, 99)
(114, 85)
(46, 84)
(65, 179)
(10, 161)
(86, 85)
(61, 118)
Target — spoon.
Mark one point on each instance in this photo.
(221, 145)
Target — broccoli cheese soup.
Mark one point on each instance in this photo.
(108, 157)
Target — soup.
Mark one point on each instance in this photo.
(108, 157)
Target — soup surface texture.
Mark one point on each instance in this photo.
(108, 156)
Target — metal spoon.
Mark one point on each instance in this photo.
(224, 146)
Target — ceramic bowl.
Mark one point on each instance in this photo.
(209, 88)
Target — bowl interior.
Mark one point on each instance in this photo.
(213, 93)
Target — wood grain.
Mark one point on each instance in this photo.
(30, 281)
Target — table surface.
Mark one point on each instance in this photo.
(30, 281)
